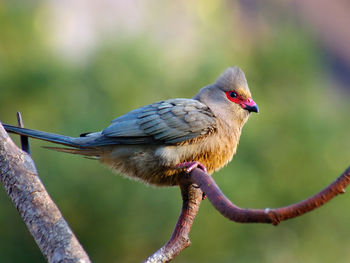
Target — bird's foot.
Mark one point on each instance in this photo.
(191, 165)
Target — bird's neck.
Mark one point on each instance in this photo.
(234, 122)
(232, 127)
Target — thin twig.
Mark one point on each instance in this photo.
(24, 139)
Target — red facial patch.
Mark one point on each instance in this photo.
(236, 98)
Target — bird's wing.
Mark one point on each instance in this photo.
(168, 122)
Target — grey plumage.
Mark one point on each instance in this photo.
(169, 126)
(147, 143)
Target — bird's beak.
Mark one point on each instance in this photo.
(250, 105)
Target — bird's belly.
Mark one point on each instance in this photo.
(156, 165)
(141, 163)
(212, 155)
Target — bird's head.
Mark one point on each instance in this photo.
(235, 86)
(229, 97)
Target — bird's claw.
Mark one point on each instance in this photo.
(191, 165)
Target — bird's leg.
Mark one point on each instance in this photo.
(189, 167)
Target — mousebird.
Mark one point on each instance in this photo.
(160, 142)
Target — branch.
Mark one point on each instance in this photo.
(179, 239)
(272, 216)
(51, 232)
(192, 197)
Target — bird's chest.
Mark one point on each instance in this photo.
(217, 153)
(213, 151)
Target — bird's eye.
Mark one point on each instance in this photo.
(233, 94)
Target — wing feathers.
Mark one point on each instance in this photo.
(169, 122)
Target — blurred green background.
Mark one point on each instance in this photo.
(72, 66)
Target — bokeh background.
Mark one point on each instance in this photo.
(72, 66)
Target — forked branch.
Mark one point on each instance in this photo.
(237, 214)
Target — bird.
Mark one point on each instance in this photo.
(159, 143)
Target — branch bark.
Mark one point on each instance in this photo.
(271, 216)
(51, 232)
(237, 214)
(191, 197)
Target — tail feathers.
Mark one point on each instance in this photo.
(46, 136)
(86, 152)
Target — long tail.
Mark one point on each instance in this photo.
(46, 136)
(78, 146)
